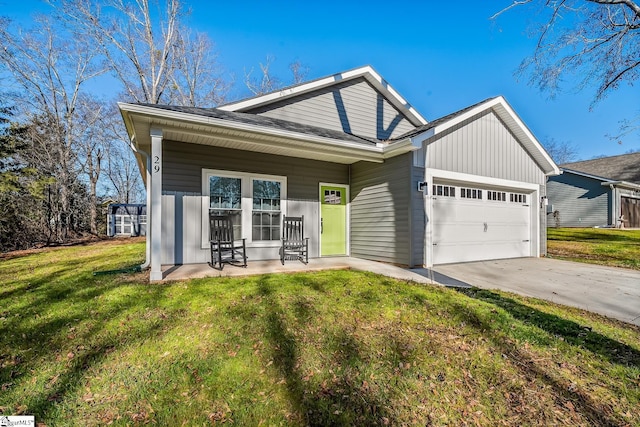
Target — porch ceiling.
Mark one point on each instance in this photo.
(194, 129)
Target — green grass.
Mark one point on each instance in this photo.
(327, 348)
(611, 247)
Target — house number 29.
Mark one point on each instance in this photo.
(156, 163)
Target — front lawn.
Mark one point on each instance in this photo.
(327, 348)
(604, 246)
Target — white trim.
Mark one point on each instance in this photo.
(155, 210)
(463, 179)
(348, 213)
(606, 181)
(246, 204)
(367, 72)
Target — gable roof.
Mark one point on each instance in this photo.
(508, 116)
(366, 72)
(624, 167)
(211, 126)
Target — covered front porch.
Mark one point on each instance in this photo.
(194, 271)
(187, 154)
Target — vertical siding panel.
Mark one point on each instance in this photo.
(168, 229)
(380, 203)
(489, 148)
(580, 201)
(351, 106)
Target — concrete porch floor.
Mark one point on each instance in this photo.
(192, 271)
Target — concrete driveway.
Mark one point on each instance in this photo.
(613, 292)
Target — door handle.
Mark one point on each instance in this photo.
(486, 227)
(321, 225)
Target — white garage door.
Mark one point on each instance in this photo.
(474, 223)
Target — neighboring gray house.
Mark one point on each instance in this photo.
(602, 192)
(371, 176)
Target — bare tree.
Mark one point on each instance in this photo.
(560, 152)
(137, 48)
(299, 71)
(596, 41)
(149, 50)
(121, 168)
(197, 79)
(48, 68)
(91, 146)
(267, 82)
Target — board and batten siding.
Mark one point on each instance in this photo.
(380, 210)
(580, 201)
(481, 145)
(182, 194)
(354, 107)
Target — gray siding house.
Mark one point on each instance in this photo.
(372, 177)
(602, 192)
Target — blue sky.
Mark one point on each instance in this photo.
(440, 56)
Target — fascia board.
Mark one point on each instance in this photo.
(398, 148)
(623, 184)
(555, 170)
(212, 121)
(606, 181)
(295, 90)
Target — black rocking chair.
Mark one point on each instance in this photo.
(294, 245)
(224, 247)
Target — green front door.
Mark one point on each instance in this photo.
(333, 220)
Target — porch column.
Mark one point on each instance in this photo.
(156, 205)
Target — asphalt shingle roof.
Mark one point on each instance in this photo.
(254, 119)
(441, 120)
(625, 167)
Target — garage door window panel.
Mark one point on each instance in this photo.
(444, 190)
(471, 193)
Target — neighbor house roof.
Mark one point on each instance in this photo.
(625, 167)
(367, 72)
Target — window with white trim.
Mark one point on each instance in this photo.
(225, 198)
(266, 210)
(254, 201)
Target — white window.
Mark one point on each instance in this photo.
(254, 201)
(266, 210)
(225, 198)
